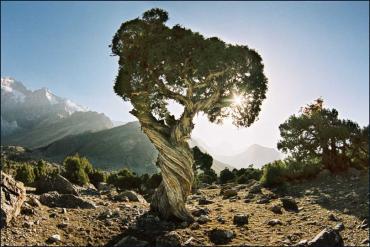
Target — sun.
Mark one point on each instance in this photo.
(238, 100)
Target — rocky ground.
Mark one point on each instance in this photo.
(233, 215)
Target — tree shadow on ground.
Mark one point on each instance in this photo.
(147, 227)
(343, 193)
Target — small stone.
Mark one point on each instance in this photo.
(204, 201)
(240, 219)
(289, 204)
(62, 225)
(28, 224)
(53, 215)
(274, 222)
(276, 209)
(171, 239)
(346, 211)
(230, 193)
(203, 219)
(54, 238)
(332, 217)
(339, 227)
(195, 226)
(221, 219)
(64, 210)
(263, 200)
(220, 236)
(197, 212)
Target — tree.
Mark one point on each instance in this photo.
(226, 176)
(77, 169)
(25, 174)
(158, 65)
(97, 176)
(318, 134)
(41, 169)
(202, 161)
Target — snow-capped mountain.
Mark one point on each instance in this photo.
(24, 111)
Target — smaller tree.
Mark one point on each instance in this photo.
(226, 176)
(41, 169)
(202, 161)
(208, 176)
(25, 174)
(77, 169)
(97, 176)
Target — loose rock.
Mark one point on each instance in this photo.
(171, 239)
(240, 219)
(130, 241)
(13, 194)
(54, 199)
(328, 238)
(221, 236)
(289, 204)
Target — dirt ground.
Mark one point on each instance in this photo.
(345, 198)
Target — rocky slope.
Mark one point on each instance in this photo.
(236, 215)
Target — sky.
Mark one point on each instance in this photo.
(309, 49)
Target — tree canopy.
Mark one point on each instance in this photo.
(318, 133)
(158, 63)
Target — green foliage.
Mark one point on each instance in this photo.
(208, 177)
(226, 176)
(77, 169)
(124, 180)
(281, 171)
(243, 175)
(158, 63)
(318, 134)
(41, 169)
(97, 176)
(273, 174)
(25, 174)
(202, 161)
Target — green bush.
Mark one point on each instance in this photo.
(226, 176)
(97, 176)
(25, 174)
(124, 180)
(273, 174)
(281, 171)
(41, 169)
(208, 177)
(77, 169)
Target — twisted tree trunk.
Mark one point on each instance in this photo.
(175, 160)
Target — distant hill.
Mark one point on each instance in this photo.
(255, 154)
(111, 149)
(37, 118)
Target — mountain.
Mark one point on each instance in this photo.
(255, 154)
(37, 118)
(217, 165)
(111, 149)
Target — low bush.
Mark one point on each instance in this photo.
(25, 173)
(77, 169)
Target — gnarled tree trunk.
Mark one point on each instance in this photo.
(175, 160)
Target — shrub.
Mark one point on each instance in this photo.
(97, 176)
(124, 180)
(77, 169)
(25, 174)
(208, 177)
(226, 176)
(273, 174)
(41, 169)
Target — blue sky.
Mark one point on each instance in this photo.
(310, 49)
